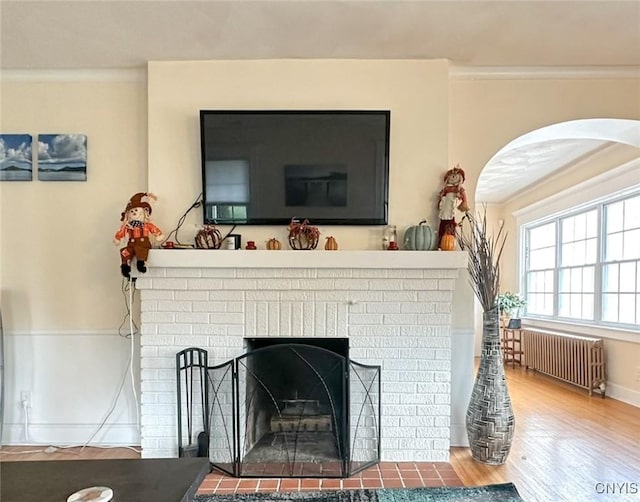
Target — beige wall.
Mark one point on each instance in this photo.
(60, 281)
(488, 114)
(415, 92)
(60, 269)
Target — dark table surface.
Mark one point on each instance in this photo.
(132, 480)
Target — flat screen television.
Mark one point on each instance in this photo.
(267, 167)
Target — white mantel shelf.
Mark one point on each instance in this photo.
(219, 258)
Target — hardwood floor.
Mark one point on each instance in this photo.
(15, 453)
(568, 446)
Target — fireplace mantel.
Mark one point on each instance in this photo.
(218, 258)
(395, 307)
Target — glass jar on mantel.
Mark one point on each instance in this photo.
(389, 235)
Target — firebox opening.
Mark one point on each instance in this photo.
(295, 407)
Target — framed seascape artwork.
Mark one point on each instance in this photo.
(62, 157)
(15, 157)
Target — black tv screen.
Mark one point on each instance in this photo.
(267, 167)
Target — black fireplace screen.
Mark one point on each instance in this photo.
(292, 410)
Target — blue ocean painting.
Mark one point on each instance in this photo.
(62, 157)
(15, 157)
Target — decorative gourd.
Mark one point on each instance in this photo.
(448, 242)
(209, 237)
(331, 244)
(302, 235)
(274, 244)
(420, 237)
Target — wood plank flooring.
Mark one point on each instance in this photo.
(568, 446)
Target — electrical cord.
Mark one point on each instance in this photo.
(131, 357)
(197, 203)
(113, 404)
(127, 287)
(128, 369)
(25, 409)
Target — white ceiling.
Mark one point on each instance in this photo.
(105, 34)
(96, 34)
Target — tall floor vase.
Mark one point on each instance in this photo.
(490, 420)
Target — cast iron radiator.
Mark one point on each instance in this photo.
(571, 358)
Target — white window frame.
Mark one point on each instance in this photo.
(618, 183)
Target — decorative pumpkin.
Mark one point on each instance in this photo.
(331, 244)
(448, 242)
(208, 237)
(420, 237)
(302, 235)
(274, 244)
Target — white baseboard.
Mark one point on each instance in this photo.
(70, 434)
(459, 435)
(623, 394)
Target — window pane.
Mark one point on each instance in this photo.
(631, 212)
(576, 280)
(547, 304)
(580, 252)
(568, 255)
(592, 224)
(613, 249)
(564, 281)
(588, 280)
(628, 277)
(610, 278)
(564, 305)
(542, 258)
(580, 229)
(548, 281)
(568, 231)
(588, 307)
(631, 247)
(540, 303)
(610, 307)
(594, 267)
(576, 306)
(579, 239)
(614, 217)
(627, 308)
(591, 255)
(543, 236)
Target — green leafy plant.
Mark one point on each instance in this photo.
(510, 303)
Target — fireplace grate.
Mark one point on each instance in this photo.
(286, 410)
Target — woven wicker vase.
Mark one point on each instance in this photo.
(490, 420)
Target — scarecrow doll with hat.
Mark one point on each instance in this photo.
(136, 228)
(452, 197)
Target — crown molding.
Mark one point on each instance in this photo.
(456, 72)
(461, 72)
(85, 75)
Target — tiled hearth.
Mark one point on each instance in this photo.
(384, 475)
(394, 307)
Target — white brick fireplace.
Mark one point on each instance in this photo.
(395, 308)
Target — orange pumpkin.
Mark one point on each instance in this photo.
(331, 244)
(448, 242)
(274, 244)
